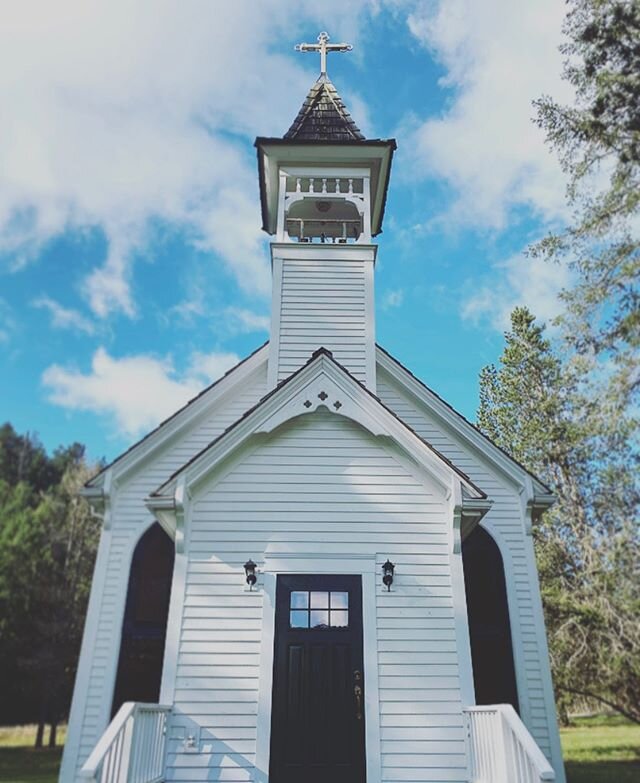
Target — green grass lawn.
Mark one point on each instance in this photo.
(602, 749)
(596, 750)
(21, 763)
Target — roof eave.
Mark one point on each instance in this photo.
(420, 390)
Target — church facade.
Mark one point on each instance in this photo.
(316, 570)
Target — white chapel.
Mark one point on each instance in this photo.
(317, 570)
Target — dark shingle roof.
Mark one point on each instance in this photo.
(323, 116)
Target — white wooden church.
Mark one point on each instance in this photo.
(317, 570)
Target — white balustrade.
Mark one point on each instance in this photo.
(331, 186)
(132, 749)
(501, 748)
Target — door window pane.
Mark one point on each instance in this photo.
(319, 618)
(319, 600)
(339, 619)
(299, 600)
(339, 600)
(299, 619)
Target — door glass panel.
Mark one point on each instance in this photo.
(318, 609)
(339, 600)
(299, 619)
(299, 600)
(319, 618)
(339, 619)
(319, 600)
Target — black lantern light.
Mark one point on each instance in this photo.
(387, 570)
(250, 571)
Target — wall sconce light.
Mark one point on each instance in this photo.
(250, 571)
(387, 570)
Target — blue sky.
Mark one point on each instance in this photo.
(132, 266)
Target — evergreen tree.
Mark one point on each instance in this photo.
(598, 143)
(546, 412)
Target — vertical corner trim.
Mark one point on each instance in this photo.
(100, 500)
(528, 497)
(456, 521)
(180, 501)
(274, 337)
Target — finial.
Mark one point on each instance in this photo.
(323, 46)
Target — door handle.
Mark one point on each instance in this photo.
(357, 692)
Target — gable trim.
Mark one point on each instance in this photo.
(285, 403)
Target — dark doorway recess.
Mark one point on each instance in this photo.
(145, 620)
(317, 721)
(489, 627)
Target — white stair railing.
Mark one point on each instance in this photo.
(501, 748)
(132, 749)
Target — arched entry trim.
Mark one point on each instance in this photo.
(145, 619)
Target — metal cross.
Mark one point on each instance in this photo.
(323, 46)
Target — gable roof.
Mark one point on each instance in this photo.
(283, 388)
(323, 116)
(188, 407)
(465, 427)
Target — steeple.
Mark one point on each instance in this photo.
(323, 116)
(323, 190)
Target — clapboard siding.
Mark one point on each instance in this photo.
(323, 304)
(129, 520)
(327, 480)
(505, 518)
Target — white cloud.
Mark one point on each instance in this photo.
(209, 366)
(499, 55)
(518, 281)
(64, 317)
(243, 320)
(126, 114)
(136, 392)
(392, 299)
(228, 321)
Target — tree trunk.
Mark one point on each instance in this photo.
(52, 735)
(42, 720)
(40, 732)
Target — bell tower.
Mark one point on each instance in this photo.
(323, 189)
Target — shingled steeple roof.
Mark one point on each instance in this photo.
(323, 116)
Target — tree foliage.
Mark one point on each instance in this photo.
(552, 416)
(48, 541)
(598, 143)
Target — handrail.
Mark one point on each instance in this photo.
(501, 748)
(131, 750)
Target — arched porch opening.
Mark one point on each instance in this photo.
(494, 675)
(145, 620)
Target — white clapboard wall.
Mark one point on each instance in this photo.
(327, 486)
(505, 521)
(323, 303)
(130, 518)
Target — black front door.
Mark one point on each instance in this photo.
(317, 720)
